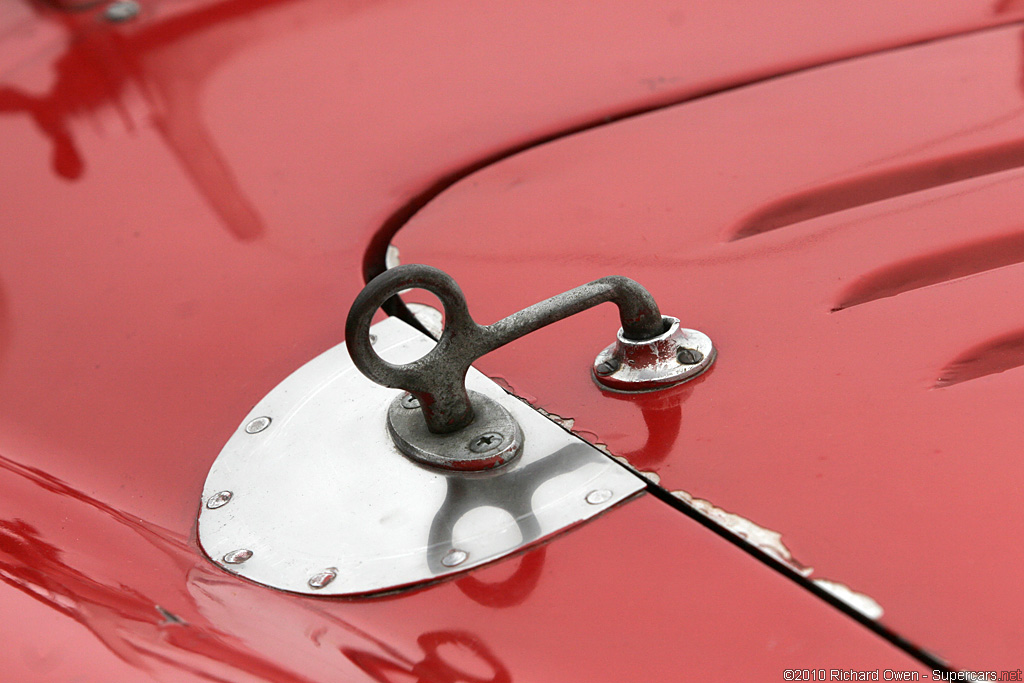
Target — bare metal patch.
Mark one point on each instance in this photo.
(765, 540)
(858, 601)
(770, 543)
(391, 257)
(169, 617)
(565, 423)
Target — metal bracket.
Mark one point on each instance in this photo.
(495, 439)
(652, 352)
(311, 494)
(673, 357)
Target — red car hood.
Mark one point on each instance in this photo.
(851, 239)
(188, 203)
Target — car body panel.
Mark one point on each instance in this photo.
(194, 197)
(850, 238)
(695, 606)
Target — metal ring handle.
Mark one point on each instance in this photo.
(438, 379)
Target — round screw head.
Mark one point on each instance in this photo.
(488, 441)
(237, 556)
(688, 356)
(454, 558)
(321, 579)
(599, 496)
(607, 367)
(410, 402)
(257, 425)
(219, 500)
(122, 10)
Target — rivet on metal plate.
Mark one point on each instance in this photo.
(237, 556)
(598, 497)
(321, 579)
(454, 558)
(257, 425)
(219, 500)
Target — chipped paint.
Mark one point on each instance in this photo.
(169, 617)
(565, 423)
(858, 601)
(770, 543)
(765, 540)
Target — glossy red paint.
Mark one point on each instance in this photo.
(851, 238)
(696, 607)
(193, 197)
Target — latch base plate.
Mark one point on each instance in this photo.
(493, 439)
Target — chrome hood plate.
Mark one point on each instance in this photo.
(319, 500)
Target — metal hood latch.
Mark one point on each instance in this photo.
(359, 475)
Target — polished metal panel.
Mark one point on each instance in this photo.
(325, 504)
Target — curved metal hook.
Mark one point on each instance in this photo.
(438, 379)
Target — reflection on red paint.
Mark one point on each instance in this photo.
(66, 160)
(441, 649)
(512, 591)
(103, 65)
(662, 413)
(1008, 6)
(1002, 353)
(5, 324)
(135, 628)
(182, 614)
(130, 622)
(663, 418)
(1022, 56)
